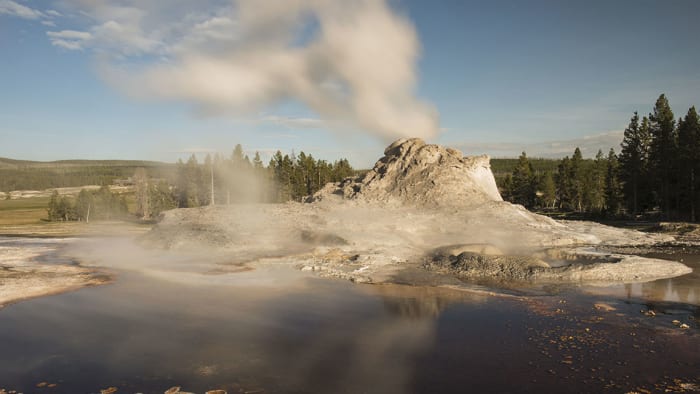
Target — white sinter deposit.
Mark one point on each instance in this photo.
(27, 270)
(422, 207)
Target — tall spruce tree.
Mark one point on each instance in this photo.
(663, 152)
(594, 184)
(576, 177)
(634, 162)
(689, 159)
(613, 189)
(564, 184)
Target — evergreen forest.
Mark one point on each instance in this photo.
(654, 174)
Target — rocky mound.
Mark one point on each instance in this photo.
(415, 173)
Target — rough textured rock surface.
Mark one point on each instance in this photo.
(413, 172)
(417, 198)
(584, 266)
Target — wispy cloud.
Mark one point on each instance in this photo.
(280, 135)
(9, 7)
(70, 35)
(589, 146)
(295, 123)
(69, 39)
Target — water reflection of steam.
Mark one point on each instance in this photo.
(383, 351)
(416, 303)
(378, 357)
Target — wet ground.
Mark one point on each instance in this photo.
(277, 330)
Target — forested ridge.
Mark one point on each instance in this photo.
(36, 175)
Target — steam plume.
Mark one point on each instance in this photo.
(350, 61)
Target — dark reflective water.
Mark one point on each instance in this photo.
(278, 330)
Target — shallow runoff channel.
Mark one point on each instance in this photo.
(184, 321)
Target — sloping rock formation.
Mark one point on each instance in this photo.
(415, 173)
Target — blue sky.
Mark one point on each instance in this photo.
(109, 79)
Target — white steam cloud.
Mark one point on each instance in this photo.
(350, 61)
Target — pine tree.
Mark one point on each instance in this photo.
(257, 162)
(160, 198)
(523, 182)
(689, 159)
(208, 194)
(507, 188)
(564, 184)
(84, 205)
(549, 190)
(237, 157)
(594, 184)
(53, 212)
(613, 189)
(634, 162)
(663, 151)
(341, 170)
(190, 179)
(260, 174)
(576, 177)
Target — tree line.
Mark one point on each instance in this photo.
(101, 205)
(216, 180)
(656, 172)
(580, 185)
(238, 179)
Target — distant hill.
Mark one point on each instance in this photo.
(40, 175)
(23, 164)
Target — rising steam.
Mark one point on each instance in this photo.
(350, 61)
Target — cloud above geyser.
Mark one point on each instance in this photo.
(350, 61)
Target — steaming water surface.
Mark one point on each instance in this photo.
(279, 330)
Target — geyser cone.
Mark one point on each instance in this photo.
(415, 173)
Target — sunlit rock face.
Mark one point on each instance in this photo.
(419, 174)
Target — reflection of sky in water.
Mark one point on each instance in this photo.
(326, 337)
(684, 289)
(167, 320)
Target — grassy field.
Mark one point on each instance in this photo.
(27, 217)
(23, 211)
